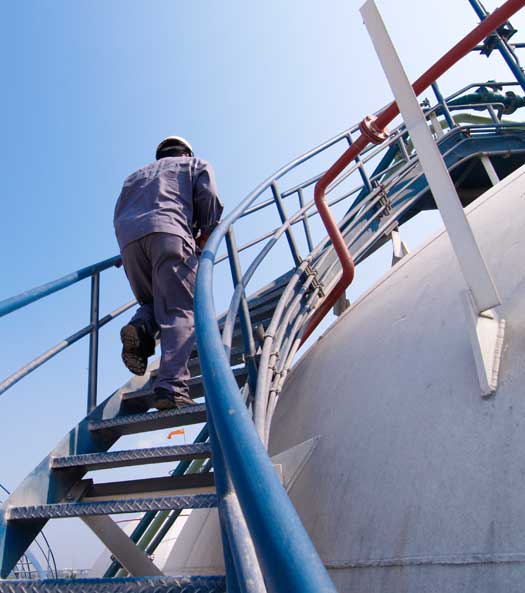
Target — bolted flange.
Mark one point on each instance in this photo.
(368, 128)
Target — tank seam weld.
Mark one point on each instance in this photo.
(454, 560)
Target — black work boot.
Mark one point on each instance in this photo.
(137, 345)
(167, 400)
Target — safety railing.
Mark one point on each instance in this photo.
(96, 322)
(271, 519)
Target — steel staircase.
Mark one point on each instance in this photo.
(241, 365)
(57, 489)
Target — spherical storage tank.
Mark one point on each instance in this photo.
(415, 483)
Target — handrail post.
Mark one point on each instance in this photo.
(306, 224)
(289, 233)
(93, 343)
(362, 172)
(243, 573)
(446, 111)
(244, 313)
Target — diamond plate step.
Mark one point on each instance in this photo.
(195, 386)
(94, 461)
(193, 584)
(110, 507)
(134, 423)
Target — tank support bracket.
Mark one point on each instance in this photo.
(486, 333)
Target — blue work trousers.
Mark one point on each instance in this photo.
(161, 269)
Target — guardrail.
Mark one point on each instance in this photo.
(35, 294)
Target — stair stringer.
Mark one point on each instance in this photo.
(46, 486)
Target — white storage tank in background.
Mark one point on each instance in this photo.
(416, 482)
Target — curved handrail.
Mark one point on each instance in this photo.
(37, 362)
(30, 296)
(34, 294)
(254, 478)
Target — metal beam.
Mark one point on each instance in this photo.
(486, 328)
(134, 560)
(470, 259)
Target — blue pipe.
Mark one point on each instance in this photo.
(30, 296)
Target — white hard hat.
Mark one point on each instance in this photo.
(170, 142)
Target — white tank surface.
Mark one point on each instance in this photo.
(417, 483)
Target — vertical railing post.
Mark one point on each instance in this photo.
(493, 114)
(306, 224)
(244, 312)
(289, 233)
(364, 175)
(93, 343)
(403, 147)
(243, 574)
(446, 111)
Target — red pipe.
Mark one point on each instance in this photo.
(373, 130)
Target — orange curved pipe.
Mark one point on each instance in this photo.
(458, 51)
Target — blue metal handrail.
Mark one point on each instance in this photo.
(65, 343)
(30, 296)
(274, 525)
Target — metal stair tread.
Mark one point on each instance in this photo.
(164, 584)
(110, 507)
(112, 459)
(143, 422)
(195, 384)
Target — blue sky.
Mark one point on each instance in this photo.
(89, 89)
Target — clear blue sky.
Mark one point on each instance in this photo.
(90, 87)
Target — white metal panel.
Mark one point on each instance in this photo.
(469, 256)
(416, 484)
